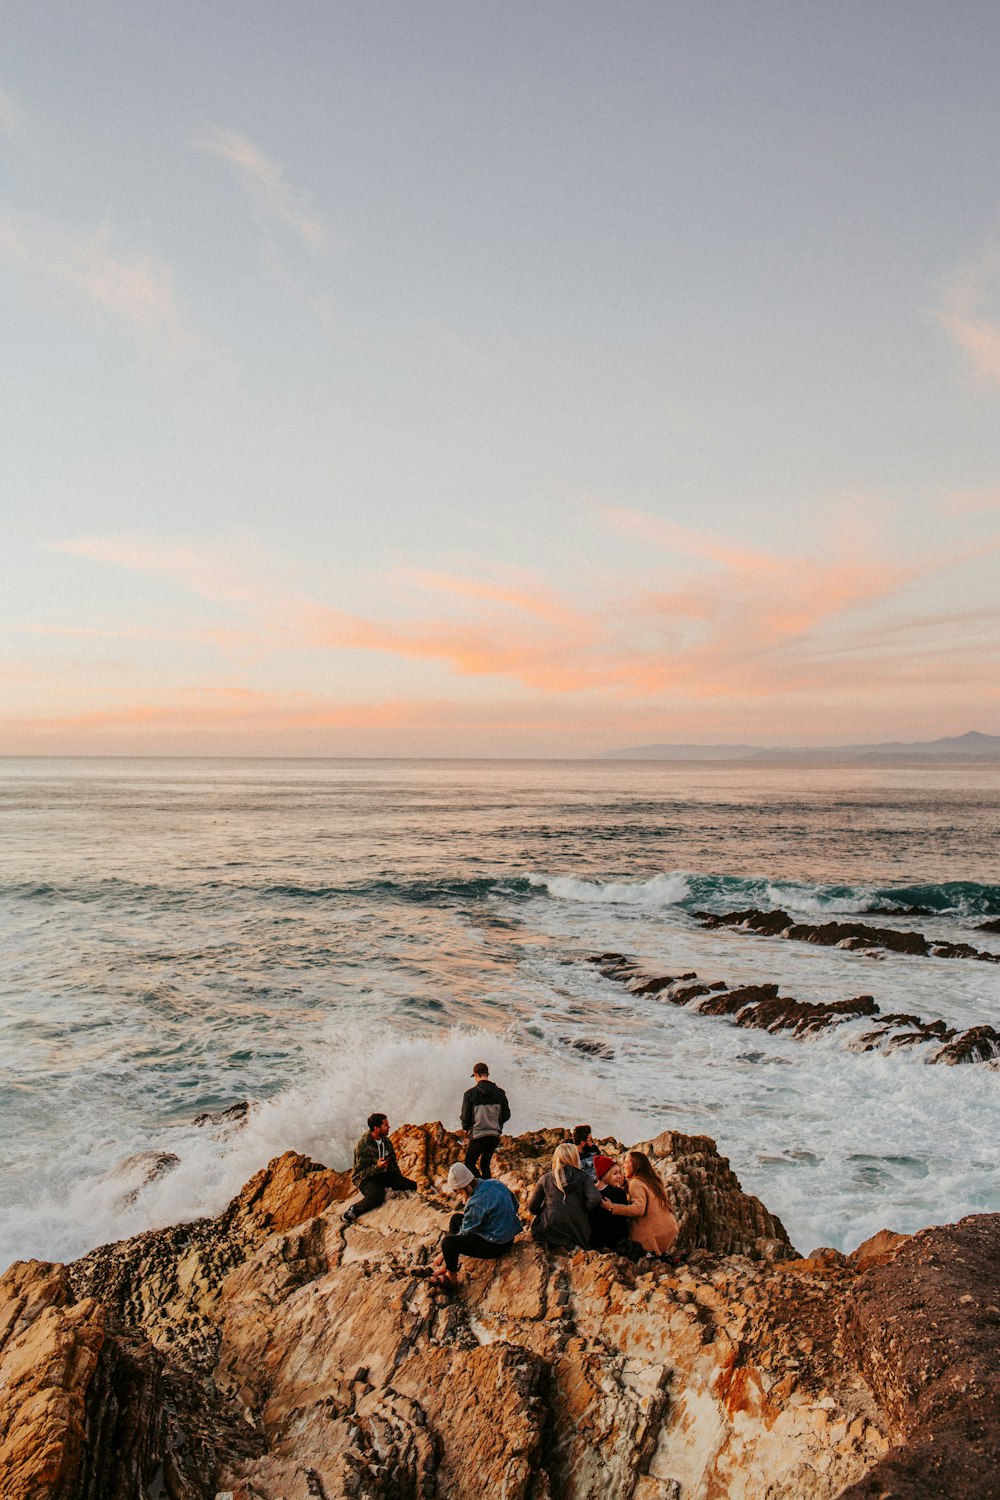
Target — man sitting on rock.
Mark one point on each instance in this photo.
(485, 1231)
(376, 1169)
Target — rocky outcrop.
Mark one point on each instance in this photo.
(761, 1006)
(90, 1411)
(924, 1331)
(167, 1281)
(853, 936)
(334, 1369)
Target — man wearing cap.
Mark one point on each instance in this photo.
(485, 1231)
(485, 1111)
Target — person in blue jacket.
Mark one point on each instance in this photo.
(485, 1231)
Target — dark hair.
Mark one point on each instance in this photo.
(481, 1070)
(580, 1134)
(376, 1119)
(643, 1168)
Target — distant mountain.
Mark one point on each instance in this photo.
(686, 752)
(968, 747)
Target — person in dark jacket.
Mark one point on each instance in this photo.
(485, 1112)
(562, 1202)
(588, 1148)
(607, 1230)
(485, 1231)
(376, 1169)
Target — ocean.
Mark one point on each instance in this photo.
(317, 939)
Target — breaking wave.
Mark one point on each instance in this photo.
(691, 891)
(686, 889)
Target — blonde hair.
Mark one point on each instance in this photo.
(564, 1156)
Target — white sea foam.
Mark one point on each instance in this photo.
(667, 889)
(815, 901)
(354, 1069)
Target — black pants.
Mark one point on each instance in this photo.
(472, 1245)
(479, 1154)
(374, 1189)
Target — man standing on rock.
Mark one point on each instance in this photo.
(376, 1169)
(485, 1111)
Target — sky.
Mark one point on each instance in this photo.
(526, 379)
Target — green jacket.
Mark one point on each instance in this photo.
(366, 1157)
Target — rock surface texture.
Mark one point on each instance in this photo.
(275, 1354)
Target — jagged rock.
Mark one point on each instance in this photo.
(978, 1044)
(877, 1251)
(336, 1371)
(166, 1281)
(761, 1006)
(87, 1409)
(857, 936)
(993, 925)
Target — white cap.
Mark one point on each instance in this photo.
(459, 1176)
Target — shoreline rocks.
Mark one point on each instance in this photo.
(275, 1354)
(855, 937)
(761, 1006)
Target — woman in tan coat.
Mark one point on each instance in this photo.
(653, 1227)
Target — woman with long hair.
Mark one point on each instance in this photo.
(562, 1201)
(653, 1226)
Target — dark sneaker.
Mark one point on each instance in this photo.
(350, 1214)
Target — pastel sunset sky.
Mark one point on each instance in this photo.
(515, 379)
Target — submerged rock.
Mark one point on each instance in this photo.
(138, 1170)
(236, 1114)
(334, 1370)
(591, 1046)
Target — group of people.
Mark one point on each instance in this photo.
(587, 1200)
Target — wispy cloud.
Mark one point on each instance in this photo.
(137, 291)
(970, 313)
(223, 574)
(263, 180)
(727, 622)
(10, 115)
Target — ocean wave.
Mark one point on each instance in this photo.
(669, 889)
(686, 889)
(419, 891)
(692, 891)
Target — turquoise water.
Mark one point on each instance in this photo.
(323, 937)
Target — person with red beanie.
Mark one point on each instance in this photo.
(607, 1230)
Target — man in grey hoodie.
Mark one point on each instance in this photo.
(485, 1111)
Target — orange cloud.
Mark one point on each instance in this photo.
(731, 622)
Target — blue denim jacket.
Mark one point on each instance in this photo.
(492, 1213)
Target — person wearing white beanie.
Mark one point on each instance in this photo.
(485, 1231)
